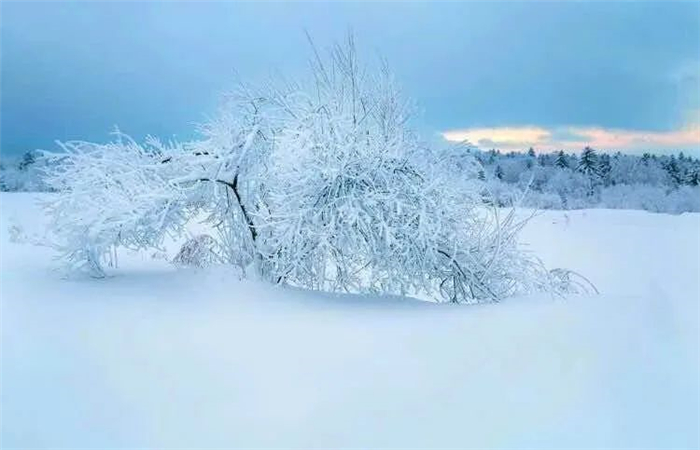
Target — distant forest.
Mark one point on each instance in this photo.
(658, 183)
(559, 180)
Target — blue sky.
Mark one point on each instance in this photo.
(618, 76)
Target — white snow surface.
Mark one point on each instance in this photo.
(156, 356)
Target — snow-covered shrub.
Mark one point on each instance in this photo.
(652, 198)
(25, 174)
(683, 199)
(622, 195)
(321, 185)
(543, 200)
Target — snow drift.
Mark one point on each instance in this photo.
(156, 356)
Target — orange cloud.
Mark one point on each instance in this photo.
(575, 138)
(629, 139)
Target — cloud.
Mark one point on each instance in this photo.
(510, 137)
(573, 138)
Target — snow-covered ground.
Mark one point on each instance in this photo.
(159, 357)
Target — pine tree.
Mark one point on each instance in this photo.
(604, 168)
(531, 152)
(674, 171)
(588, 164)
(561, 161)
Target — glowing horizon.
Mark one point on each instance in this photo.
(575, 138)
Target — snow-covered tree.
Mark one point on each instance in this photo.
(588, 163)
(561, 160)
(319, 184)
(674, 171)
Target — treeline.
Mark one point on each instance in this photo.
(658, 183)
